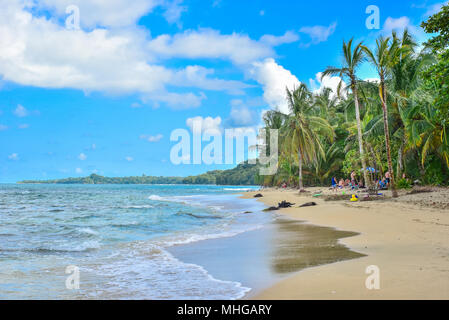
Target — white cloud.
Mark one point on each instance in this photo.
(174, 10)
(129, 159)
(274, 41)
(155, 138)
(319, 84)
(119, 59)
(210, 44)
(20, 111)
(197, 76)
(82, 157)
(199, 125)
(400, 24)
(3, 127)
(106, 13)
(79, 170)
(319, 33)
(242, 116)
(24, 126)
(13, 157)
(274, 79)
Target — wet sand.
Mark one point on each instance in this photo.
(258, 259)
(407, 239)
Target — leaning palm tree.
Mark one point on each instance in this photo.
(383, 60)
(303, 130)
(352, 60)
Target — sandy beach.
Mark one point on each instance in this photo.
(406, 238)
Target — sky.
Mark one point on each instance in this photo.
(103, 93)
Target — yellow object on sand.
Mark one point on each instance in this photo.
(354, 198)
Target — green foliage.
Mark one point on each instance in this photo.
(243, 174)
(404, 184)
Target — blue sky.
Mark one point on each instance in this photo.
(105, 98)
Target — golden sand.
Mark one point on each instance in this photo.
(407, 239)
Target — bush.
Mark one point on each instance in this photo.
(404, 184)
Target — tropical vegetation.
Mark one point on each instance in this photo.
(396, 123)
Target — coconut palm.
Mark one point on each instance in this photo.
(303, 130)
(352, 59)
(383, 60)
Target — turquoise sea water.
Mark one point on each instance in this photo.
(118, 236)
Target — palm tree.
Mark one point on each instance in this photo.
(352, 60)
(383, 59)
(303, 130)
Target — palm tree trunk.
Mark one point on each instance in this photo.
(383, 98)
(301, 186)
(359, 131)
(401, 159)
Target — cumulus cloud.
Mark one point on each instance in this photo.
(210, 44)
(79, 170)
(82, 157)
(3, 127)
(23, 126)
(116, 13)
(129, 159)
(120, 57)
(200, 125)
(274, 79)
(319, 34)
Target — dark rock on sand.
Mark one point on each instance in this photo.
(272, 209)
(258, 195)
(308, 204)
(285, 204)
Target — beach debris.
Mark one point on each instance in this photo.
(281, 205)
(259, 195)
(317, 195)
(271, 209)
(285, 204)
(308, 204)
(247, 212)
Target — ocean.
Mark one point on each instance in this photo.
(119, 237)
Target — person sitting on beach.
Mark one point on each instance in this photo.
(388, 177)
(341, 184)
(347, 182)
(334, 183)
(353, 181)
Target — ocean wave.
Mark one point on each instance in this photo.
(147, 271)
(238, 189)
(148, 206)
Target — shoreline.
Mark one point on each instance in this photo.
(405, 238)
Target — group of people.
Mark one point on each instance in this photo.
(342, 183)
(383, 183)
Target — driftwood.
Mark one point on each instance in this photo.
(308, 204)
(285, 204)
